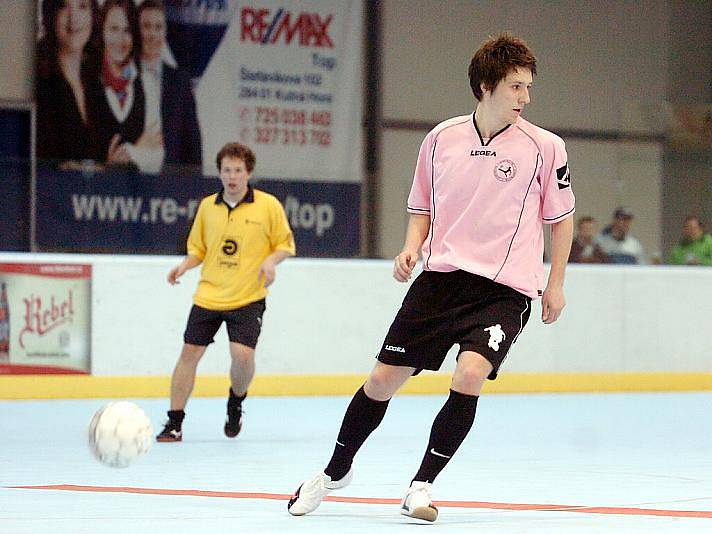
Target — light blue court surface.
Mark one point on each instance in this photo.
(537, 463)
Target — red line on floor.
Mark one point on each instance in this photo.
(606, 510)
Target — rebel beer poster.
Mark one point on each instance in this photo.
(45, 318)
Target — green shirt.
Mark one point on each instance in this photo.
(697, 252)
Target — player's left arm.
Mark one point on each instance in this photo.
(281, 242)
(553, 301)
(268, 269)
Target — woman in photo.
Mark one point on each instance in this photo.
(116, 98)
(65, 54)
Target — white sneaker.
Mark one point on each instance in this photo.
(309, 495)
(417, 502)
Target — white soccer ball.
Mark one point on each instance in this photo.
(119, 433)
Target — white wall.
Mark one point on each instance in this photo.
(330, 317)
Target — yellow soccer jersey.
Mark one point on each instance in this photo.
(233, 243)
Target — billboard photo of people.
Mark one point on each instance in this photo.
(109, 93)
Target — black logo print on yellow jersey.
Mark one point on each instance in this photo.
(229, 247)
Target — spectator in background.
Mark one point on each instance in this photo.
(695, 247)
(583, 249)
(65, 54)
(617, 243)
(170, 104)
(116, 99)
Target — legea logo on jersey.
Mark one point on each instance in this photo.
(265, 26)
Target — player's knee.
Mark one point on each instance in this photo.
(472, 369)
(242, 355)
(473, 374)
(380, 385)
(191, 354)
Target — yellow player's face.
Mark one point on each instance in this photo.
(234, 177)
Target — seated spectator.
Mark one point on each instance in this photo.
(695, 247)
(583, 249)
(617, 243)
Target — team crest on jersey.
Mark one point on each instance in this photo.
(505, 170)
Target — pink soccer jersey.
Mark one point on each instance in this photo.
(488, 201)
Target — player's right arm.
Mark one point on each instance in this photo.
(418, 228)
(179, 270)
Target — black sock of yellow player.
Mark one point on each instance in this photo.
(176, 418)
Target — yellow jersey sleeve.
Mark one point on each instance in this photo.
(281, 236)
(196, 242)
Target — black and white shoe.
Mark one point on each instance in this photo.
(233, 423)
(171, 432)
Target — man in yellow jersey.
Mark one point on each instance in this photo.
(239, 235)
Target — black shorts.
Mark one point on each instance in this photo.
(243, 324)
(444, 309)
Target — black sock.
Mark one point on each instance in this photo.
(235, 401)
(449, 430)
(175, 417)
(362, 417)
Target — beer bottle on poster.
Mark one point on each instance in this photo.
(4, 325)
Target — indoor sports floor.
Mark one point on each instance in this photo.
(570, 463)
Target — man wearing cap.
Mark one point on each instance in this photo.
(617, 243)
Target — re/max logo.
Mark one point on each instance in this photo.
(262, 26)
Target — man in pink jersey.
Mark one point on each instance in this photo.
(484, 186)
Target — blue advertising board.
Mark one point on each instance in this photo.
(130, 212)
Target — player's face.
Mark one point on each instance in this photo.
(508, 99)
(118, 41)
(73, 25)
(153, 33)
(234, 177)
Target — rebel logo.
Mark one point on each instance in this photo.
(281, 26)
(41, 317)
(229, 247)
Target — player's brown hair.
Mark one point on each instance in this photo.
(496, 58)
(236, 150)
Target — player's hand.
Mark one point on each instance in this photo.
(552, 303)
(404, 264)
(174, 275)
(268, 270)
